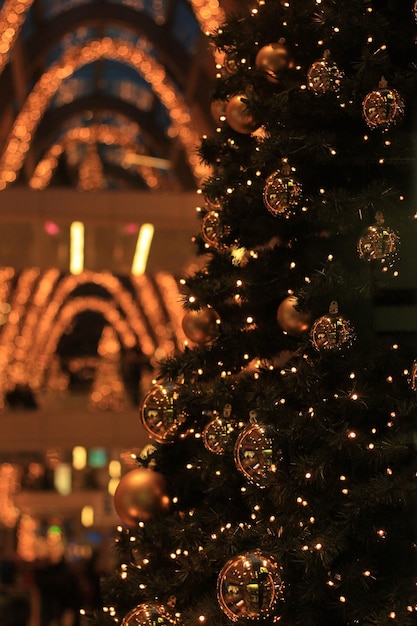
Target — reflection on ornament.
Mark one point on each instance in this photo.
(140, 495)
(282, 193)
(293, 322)
(149, 615)
(158, 413)
(332, 331)
(238, 115)
(324, 76)
(201, 326)
(249, 586)
(216, 433)
(415, 10)
(274, 59)
(255, 456)
(213, 230)
(382, 107)
(378, 243)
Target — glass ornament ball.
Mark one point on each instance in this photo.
(213, 231)
(282, 194)
(255, 456)
(148, 614)
(378, 243)
(238, 115)
(274, 59)
(412, 379)
(216, 434)
(382, 107)
(159, 415)
(201, 326)
(249, 586)
(415, 10)
(290, 320)
(140, 495)
(324, 77)
(332, 332)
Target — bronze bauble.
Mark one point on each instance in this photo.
(140, 495)
(274, 59)
(238, 115)
(201, 326)
(293, 322)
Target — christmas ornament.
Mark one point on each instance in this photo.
(324, 76)
(213, 231)
(282, 193)
(217, 432)
(274, 59)
(413, 377)
(254, 454)
(249, 586)
(382, 107)
(231, 61)
(332, 331)
(378, 243)
(201, 326)
(140, 495)
(415, 10)
(293, 322)
(238, 115)
(149, 615)
(158, 413)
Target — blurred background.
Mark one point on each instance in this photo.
(103, 104)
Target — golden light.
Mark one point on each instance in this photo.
(76, 247)
(143, 246)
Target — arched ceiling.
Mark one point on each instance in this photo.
(119, 89)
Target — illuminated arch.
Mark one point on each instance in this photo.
(66, 315)
(75, 57)
(12, 17)
(102, 133)
(122, 298)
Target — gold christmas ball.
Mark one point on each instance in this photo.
(293, 322)
(147, 614)
(378, 243)
(201, 326)
(255, 455)
(249, 586)
(282, 194)
(140, 495)
(324, 77)
(238, 115)
(274, 59)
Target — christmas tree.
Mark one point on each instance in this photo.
(282, 484)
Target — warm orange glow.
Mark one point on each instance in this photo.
(25, 125)
(12, 16)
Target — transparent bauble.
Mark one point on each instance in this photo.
(159, 414)
(150, 614)
(255, 456)
(324, 76)
(332, 331)
(213, 231)
(282, 193)
(249, 586)
(216, 433)
(382, 107)
(378, 243)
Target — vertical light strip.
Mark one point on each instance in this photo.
(143, 246)
(76, 247)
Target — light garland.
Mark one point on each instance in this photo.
(12, 16)
(25, 125)
(101, 133)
